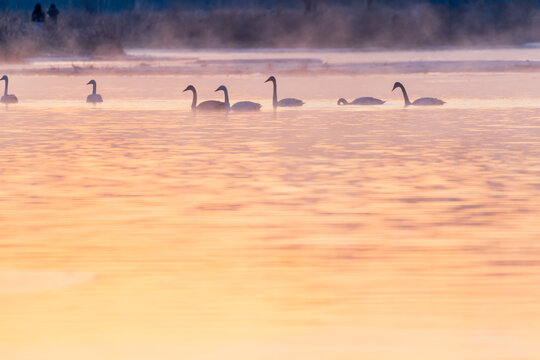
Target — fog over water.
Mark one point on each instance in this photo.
(104, 28)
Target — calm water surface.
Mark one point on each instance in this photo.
(136, 230)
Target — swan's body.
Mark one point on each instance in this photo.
(288, 102)
(7, 98)
(361, 101)
(210, 105)
(246, 106)
(93, 97)
(425, 101)
(239, 106)
(428, 101)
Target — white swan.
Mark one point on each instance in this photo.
(288, 102)
(361, 101)
(425, 101)
(8, 99)
(93, 97)
(241, 105)
(246, 106)
(210, 105)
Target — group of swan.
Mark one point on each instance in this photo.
(425, 101)
(214, 105)
(12, 99)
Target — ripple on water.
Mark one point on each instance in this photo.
(25, 281)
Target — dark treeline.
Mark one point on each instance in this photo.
(157, 5)
(310, 23)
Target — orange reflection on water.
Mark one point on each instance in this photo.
(136, 230)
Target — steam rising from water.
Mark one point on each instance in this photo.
(412, 25)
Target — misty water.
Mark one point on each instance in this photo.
(136, 229)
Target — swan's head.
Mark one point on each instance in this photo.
(222, 88)
(397, 85)
(91, 82)
(190, 87)
(342, 101)
(271, 78)
(3, 78)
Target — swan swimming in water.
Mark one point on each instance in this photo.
(8, 99)
(288, 102)
(246, 106)
(425, 101)
(361, 101)
(93, 97)
(241, 105)
(209, 105)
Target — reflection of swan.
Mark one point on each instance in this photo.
(361, 101)
(93, 97)
(8, 99)
(425, 101)
(210, 105)
(282, 102)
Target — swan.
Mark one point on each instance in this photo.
(361, 101)
(283, 102)
(93, 97)
(226, 103)
(241, 105)
(246, 106)
(210, 105)
(8, 99)
(425, 101)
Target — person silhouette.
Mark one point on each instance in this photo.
(38, 16)
(53, 13)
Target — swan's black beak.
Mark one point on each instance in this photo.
(186, 89)
(88, 83)
(267, 80)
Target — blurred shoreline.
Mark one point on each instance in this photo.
(411, 26)
(301, 62)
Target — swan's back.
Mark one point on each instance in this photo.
(428, 101)
(368, 100)
(288, 102)
(94, 98)
(246, 106)
(9, 99)
(211, 105)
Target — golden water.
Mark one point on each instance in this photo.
(136, 230)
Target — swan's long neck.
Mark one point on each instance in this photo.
(227, 103)
(194, 102)
(342, 101)
(405, 96)
(94, 88)
(6, 88)
(274, 96)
